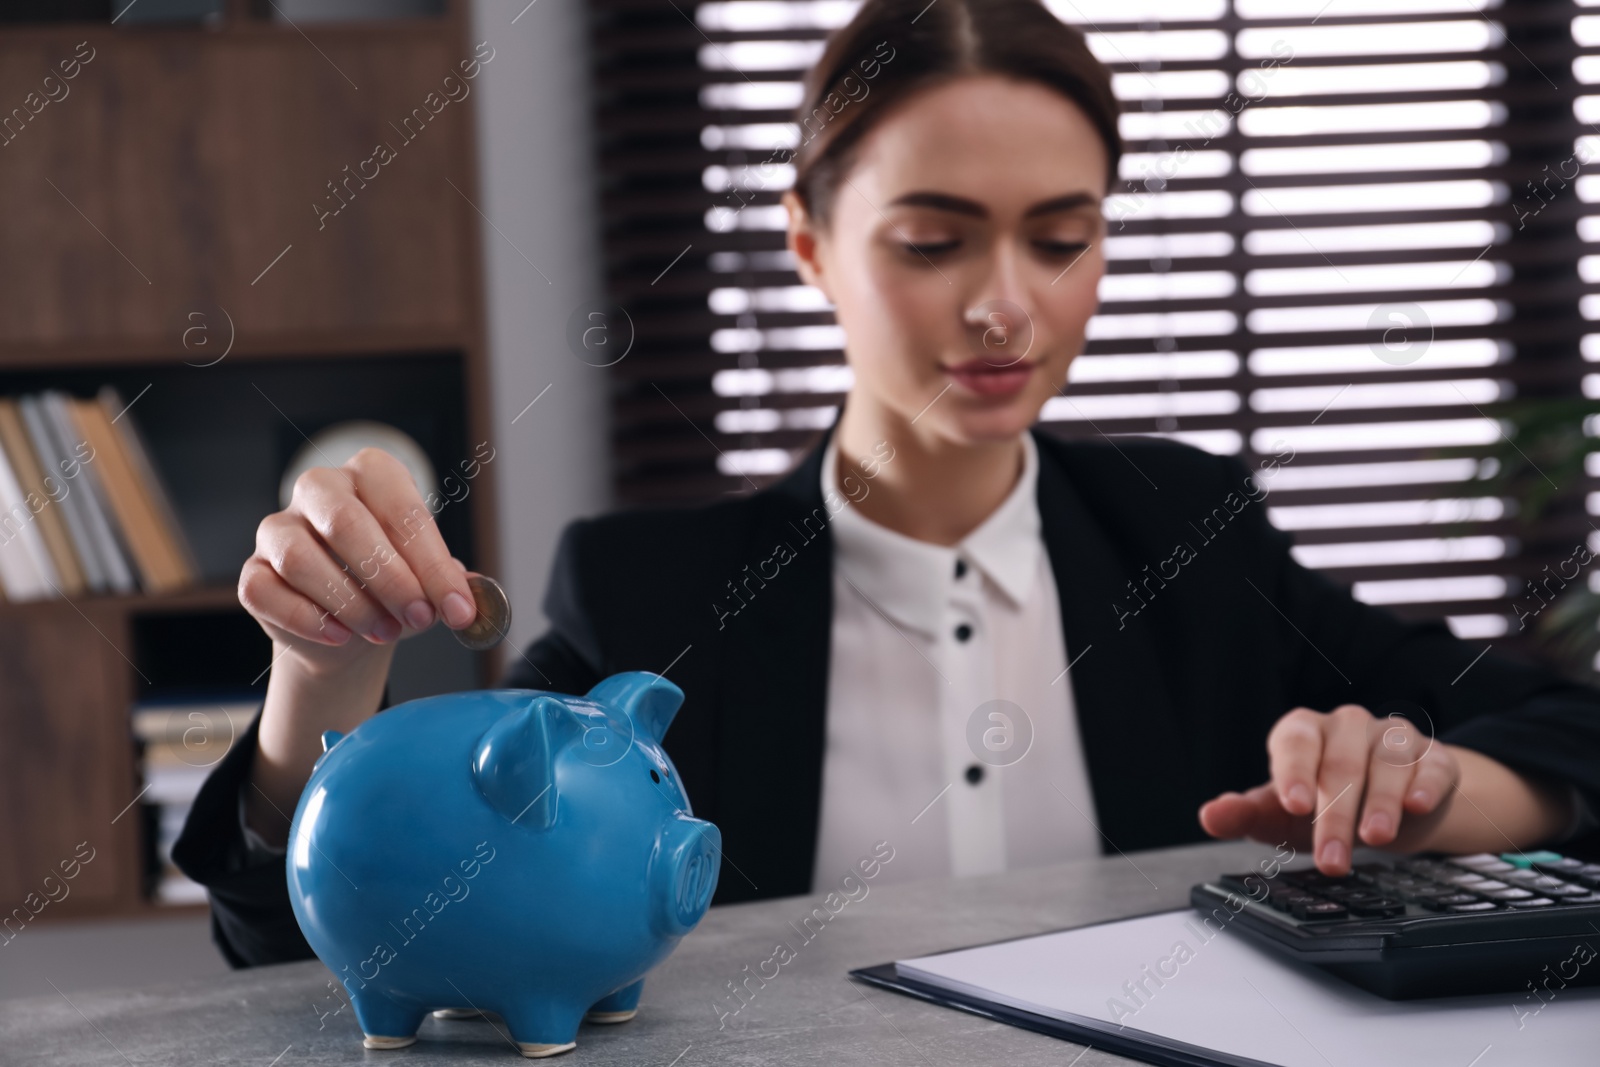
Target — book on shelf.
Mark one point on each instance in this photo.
(74, 512)
(26, 572)
(84, 508)
(224, 714)
(150, 482)
(81, 480)
(31, 478)
(182, 735)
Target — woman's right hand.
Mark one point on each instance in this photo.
(369, 517)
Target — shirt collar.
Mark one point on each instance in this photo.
(910, 580)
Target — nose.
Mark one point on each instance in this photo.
(683, 873)
(698, 880)
(998, 321)
(1002, 279)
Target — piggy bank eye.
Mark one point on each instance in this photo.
(654, 777)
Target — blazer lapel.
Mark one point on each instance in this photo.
(1133, 741)
(772, 707)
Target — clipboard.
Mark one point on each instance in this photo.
(1085, 1032)
(1233, 1003)
(1080, 1030)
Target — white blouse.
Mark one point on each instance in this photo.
(951, 729)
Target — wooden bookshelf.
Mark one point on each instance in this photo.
(177, 177)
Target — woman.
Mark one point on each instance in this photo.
(876, 649)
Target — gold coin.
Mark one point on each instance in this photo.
(493, 619)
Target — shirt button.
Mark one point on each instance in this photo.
(963, 632)
(974, 774)
(961, 568)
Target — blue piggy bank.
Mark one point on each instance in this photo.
(515, 851)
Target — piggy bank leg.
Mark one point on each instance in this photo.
(543, 1029)
(457, 1013)
(619, 1007)
(384, 1023)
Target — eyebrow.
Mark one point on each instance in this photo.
(960, 205)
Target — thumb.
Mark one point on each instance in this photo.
(1253, 813)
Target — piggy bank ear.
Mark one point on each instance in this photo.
(649, 700)
(514, 763)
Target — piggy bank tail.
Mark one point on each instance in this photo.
(683, 874)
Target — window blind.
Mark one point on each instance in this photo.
(1347, 232)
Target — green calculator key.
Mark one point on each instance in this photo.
(1528, 859)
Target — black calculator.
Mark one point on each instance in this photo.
(1425, 926)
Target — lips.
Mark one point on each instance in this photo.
(986, 379)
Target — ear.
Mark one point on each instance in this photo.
(648, 700)
(804, 240)
(514, 763)
(329, 739)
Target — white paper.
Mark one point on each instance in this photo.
(1222, 993)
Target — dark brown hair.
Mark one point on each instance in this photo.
(894, 48)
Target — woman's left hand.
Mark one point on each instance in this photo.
(1339, 774)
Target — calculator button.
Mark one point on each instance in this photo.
(1532, 902)
(1565, 889)
(1483, 862)
(1565, 865)
(1427, 893)
(1528, 859)
(1455, 899)
(1488, 884)
(1509, 894)
(1465, 880)
(1481, 905)
(1237, 882)
(1587, 898)
(1320, 909)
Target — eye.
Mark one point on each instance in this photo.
(1061, 248)
(931, 248)
(654, 777)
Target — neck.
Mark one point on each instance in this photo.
(932, 489)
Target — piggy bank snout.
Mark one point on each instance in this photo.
(684, 870)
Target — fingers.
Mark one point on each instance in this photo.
(290, 548)
(356, 542)
(1378, 769)
(1340, 779)
(1294, 748)
(332, 503)
(1396, 746)
(1255, 813)
(431, 584)
(1437, 774)
(264, 594)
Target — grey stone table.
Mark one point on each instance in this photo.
(293, 1014)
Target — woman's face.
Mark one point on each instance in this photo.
(963, 254)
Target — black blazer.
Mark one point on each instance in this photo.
(1191, 628)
